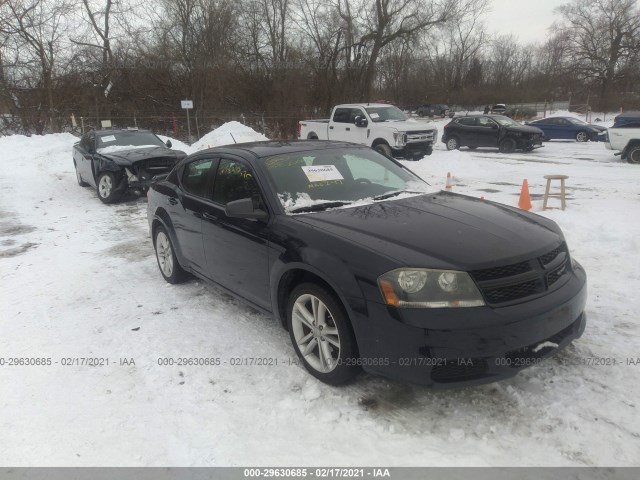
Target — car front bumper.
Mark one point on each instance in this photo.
(466, 346)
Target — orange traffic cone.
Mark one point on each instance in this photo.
(448, 187)
(525, 200)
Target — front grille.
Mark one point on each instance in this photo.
(510, 283)
(554, 276)
(147, 169)
(420, 136)
(513, 292)
(500, 272)
(547, 258)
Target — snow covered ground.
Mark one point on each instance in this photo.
(79, 279)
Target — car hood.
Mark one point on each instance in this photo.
(408, 125)
(525, 129)
(442, 230)
(129, 157)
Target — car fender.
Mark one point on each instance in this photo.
(344, 285)
(162, 217)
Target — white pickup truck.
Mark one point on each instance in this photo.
(382, 127)
(626, 140)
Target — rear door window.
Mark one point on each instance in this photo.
(195, 177)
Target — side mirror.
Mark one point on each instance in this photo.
(243, 208)
(168, 144)
(361, 122)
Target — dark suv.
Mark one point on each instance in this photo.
(433, 110)
(496, 131)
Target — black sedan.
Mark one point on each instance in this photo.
(115, 162)
(475, 131)
(366, 269)
(567, 128)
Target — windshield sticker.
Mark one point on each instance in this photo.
(108, 138)
(374, 115)
(322, 173)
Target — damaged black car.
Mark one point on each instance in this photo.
(495, 131)
(116, 162)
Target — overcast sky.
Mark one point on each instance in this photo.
(528, 19)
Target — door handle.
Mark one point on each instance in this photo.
(331, 127)
(348, 129)
(173, 201)
(211, 218)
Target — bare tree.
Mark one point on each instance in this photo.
(602, 38)
(40, 26)
(389, 20)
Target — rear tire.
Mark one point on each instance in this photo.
(166, 257)
(384, 149)
(507, 145)
(321, 334)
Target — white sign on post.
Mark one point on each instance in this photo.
(187, 105)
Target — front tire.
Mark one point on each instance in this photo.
(507, 145)
(384, 149)
(107, 188)
(166, 257)
(633, 155)
(453, 143)
(582, 136)
(321, 334)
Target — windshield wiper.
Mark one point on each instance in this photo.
(317, 207)
(394, 194)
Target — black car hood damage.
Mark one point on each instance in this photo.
(127, 158)
(459, 231)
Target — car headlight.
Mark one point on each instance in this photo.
(400, 138)
(429, 288)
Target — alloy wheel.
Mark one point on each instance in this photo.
(105, 186)
(164, 254)
(316, 333)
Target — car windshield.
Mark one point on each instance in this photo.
(123, 140)
(505, 121)
(329, 178)
(384, 114)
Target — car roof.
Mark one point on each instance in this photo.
(365, 105)
(120, 130)
(630, 114)
(278, 147)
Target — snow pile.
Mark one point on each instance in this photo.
(227, 134)
(177, 144)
